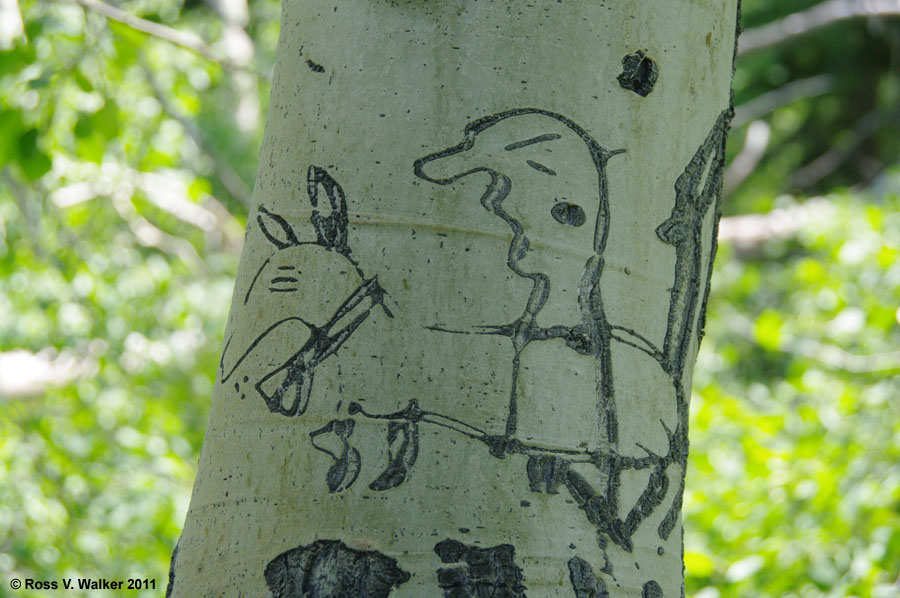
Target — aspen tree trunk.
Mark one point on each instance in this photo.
(459, 354)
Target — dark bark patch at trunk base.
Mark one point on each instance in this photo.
(584, 582)
(330, 569)
(479, 572)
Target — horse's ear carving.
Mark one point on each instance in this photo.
(331, 230)
(276, 229)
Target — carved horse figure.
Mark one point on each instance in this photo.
(279, 289)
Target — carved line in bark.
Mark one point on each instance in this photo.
(344, 468)
(651, 589)
(171, 584)
(584, 582)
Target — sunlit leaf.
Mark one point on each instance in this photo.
(768, 329)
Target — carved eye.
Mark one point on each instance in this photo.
(568, 214)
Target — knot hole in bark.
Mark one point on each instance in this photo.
(639, 73)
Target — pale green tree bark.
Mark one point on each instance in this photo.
(472, 291)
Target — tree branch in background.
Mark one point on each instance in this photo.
(28, 199)
(27, 374)
(748, 232)
(184, 39)
(825, 354)
(230, 179)
(149, 235)
(817, 16)
(745, 162)
(828, 162)
(167, 191)
(239, 47)
(784, 95)
(24, 205)
(758, 133)
(11, 26)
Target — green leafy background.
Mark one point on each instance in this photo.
(125, 167)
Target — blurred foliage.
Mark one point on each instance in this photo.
(852, 129)
(125, 164)
(794, 481)
(105, 276)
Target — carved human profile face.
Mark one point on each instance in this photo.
(545, 182)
